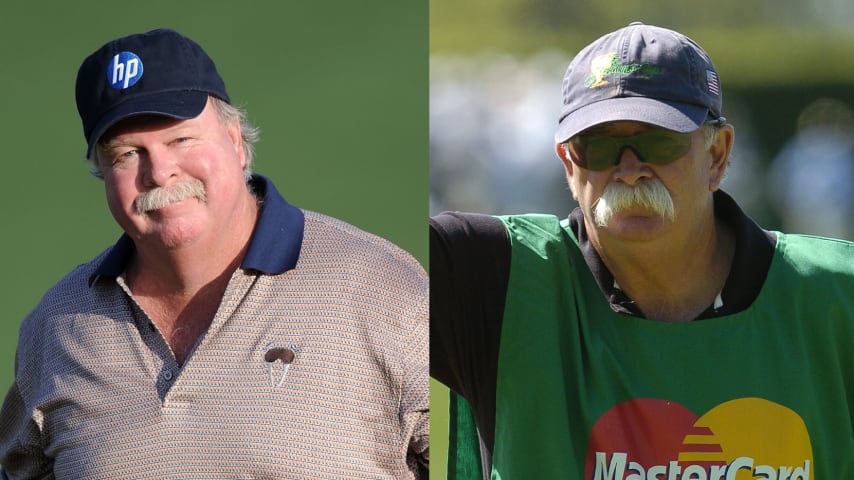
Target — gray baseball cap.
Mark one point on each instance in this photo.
(640, 73)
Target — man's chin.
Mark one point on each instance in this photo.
(637, 226)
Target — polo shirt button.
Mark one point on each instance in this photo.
(167, 375)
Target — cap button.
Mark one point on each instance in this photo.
(635, 23)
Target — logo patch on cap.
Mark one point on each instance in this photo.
(609, 64)
(124, 70)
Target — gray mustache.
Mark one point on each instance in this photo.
(651, 194)
(162, 196)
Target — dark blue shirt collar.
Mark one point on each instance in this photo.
(277, 238)
(273, 249)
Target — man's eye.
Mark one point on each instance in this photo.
(124, 156)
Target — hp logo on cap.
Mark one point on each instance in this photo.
(124, 71)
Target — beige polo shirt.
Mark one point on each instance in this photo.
(315, 367)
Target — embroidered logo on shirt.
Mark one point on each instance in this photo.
(278, 360)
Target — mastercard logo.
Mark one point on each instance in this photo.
(742, 439)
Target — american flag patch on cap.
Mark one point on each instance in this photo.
(712, 82)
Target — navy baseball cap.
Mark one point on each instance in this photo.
(640, 73)
(160, 72)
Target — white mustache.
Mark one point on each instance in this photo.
(163, 196)
(650, 194)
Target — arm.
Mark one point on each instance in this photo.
(415, 403)
(469, 270)
(21, 455)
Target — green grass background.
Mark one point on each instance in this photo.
(338, 88)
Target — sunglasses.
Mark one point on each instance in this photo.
(657, 147)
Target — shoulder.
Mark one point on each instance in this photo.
(461, 225)
(539, 237)
(476, 239)
(72, 293)
(475, 227)
(379, 287)
(52, 319)
(815, 256)
(537, 225)
(340, 252)
(465, 247)
(325, 235)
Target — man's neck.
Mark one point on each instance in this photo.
(181, 289)
(181, 273)
(673, 278)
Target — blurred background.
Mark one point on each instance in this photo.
(338, 88)
(786, 68)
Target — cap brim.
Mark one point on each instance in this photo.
(679, 117)
(182, 104)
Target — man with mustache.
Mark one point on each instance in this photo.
(227, 334)
(588, 347)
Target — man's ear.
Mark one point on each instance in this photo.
(236, 136)
(720, 151)
(562, 150)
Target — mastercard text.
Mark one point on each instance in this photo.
(620, 468)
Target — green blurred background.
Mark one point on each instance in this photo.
(338, 88)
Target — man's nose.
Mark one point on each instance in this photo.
(630, 168)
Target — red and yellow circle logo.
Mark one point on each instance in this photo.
(742, 439)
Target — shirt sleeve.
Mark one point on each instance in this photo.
(469, 271)
(418, 454)
(21, 455)
(415, 401)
